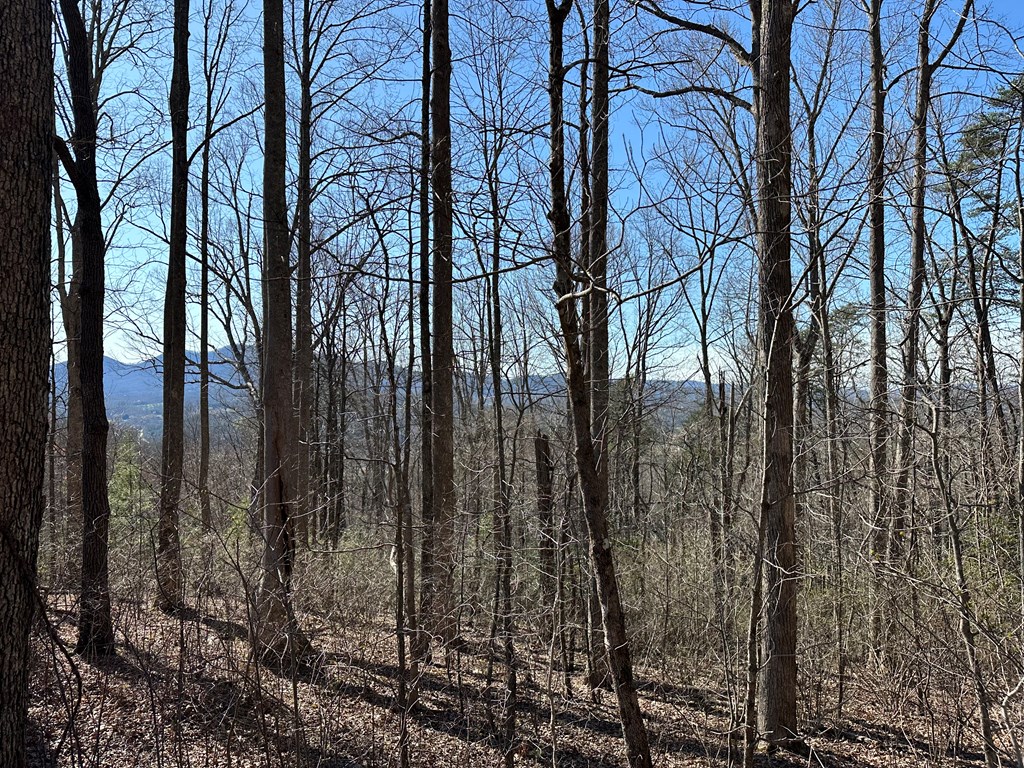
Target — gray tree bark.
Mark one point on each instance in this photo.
(26, 123)
(276, 636)
(777, 688)
(926, 68)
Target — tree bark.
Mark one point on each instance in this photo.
(69, 290)
(209, 67)
(1018, 188)
(595, 253)
(276, 636)
(597, 241)
(503, 491)
(26, 123)
(926, 68)
(777, 689)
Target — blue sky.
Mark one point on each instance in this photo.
(125, 345)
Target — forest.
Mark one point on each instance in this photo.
(511, 383)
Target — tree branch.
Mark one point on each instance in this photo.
(741, 53)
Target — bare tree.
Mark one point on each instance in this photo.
(276, 635)
(769, 61)
(168, 556)
(879, 427)
(303, 276)
(215, 64)
(439, 612)
(95, 628)
(421, 640)
(595, 496)
(911, 345)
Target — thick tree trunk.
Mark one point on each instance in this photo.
(915, 293)
(777, 689)
(276, 636)
(26, 124)
(597, 242)
(168, 555)
(595, 253)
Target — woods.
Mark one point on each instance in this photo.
(556, 382)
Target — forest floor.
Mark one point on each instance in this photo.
(182, 691)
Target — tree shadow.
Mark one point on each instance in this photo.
(226, 630)
(893, 736)
(702, 699)
(472, 726)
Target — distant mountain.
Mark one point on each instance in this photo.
(670, 401)
(134, 391)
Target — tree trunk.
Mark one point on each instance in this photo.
(95, 629)
(421, 640)
(926, 68)
(1018, 162)
(503, 491)
(303, 290)
(168, 555)
(442, 619)
(206, 512)
(276, 636)
(879, 395)
(26, 123)
(595, 226)
(963, 593)
(597, 242)
(587, 457)
(777, 689)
